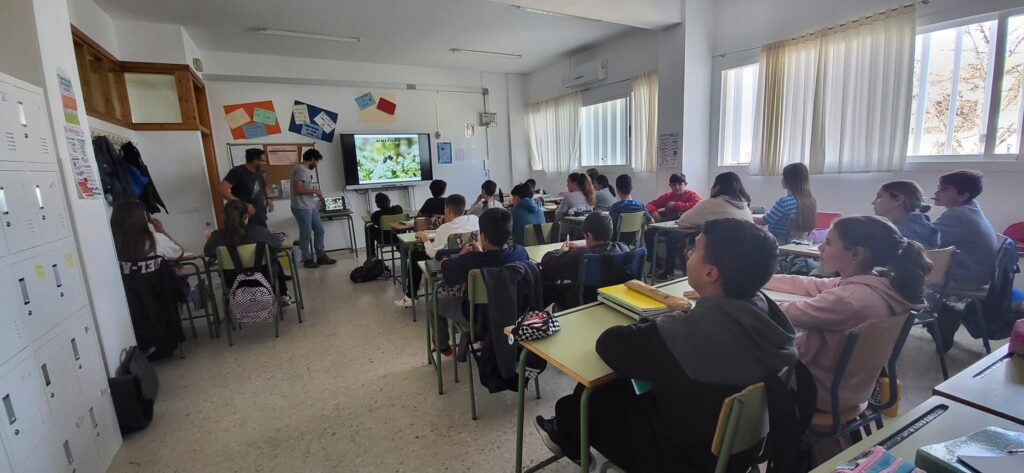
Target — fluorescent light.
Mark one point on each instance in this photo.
(297, 34)
(485, 53)
(552, 13)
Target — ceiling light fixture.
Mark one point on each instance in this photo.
(542, 12)
(297, 34)
(485, 53)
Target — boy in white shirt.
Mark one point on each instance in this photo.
(455, 223)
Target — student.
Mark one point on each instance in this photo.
(455, 223)
(495, 230)
(592, 173)
(901, 203)
(670, 205)
(626, 204)
(853, 248)
(963, 225)
(305, 208)
(139, 236)
(693, 360)
(238, 231)
(247, 183)
(434, 206)
(486, 199)
(533, 186)
(580, 197)
(563, 265)
(794, 213)
(384, 207)
(603, 193)
(525, 211)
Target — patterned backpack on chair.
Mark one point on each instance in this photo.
(251, 298)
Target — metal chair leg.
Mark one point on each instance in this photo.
(536, 384)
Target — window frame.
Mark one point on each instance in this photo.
(629, 130)
(719, 136)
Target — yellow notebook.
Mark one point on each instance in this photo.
(630, 298)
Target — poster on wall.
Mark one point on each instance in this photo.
(313, 122)
(68, 100)
(381, 110)
(252, 120)
(444, 152)
(668, 150)
(86, 180)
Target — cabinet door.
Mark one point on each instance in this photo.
(51, 217)
(65, 281)
(59, 373)
(5, 466)
(16, 212)
(33, 283)
(12, 117)
(14, 335)
(81, 337)
(106, 432)
(44, 458)
(34, 127)
(77, 448)
(25, 416)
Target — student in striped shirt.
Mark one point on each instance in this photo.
(793, 214)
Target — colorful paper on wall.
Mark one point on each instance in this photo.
(235, 114)
(386, 106)
(374, 114)
(444, 152)
(365, 101)
(668, 150)
(68, 99)
(254, 130)
(82, 166)
(317, 123)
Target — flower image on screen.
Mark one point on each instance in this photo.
(391, 158)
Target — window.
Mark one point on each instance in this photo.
(736, 116)
(957, 80)
(604, 133)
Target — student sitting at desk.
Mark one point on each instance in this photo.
(238, 231)
(525, 211)
(563, 266)
(693, 360)
(486, 199)
(672, 204)
(604, 194)
(901, 203)
(792, 216)
(137, 235)
(495, 230)
(434, 206)
(626, 204)
(384, 207)
(455, 222)
(580, 198)
(853, 248)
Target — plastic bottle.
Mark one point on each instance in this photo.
(209, 230)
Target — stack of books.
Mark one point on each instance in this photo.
(630, 302)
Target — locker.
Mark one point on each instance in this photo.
(14, 335)
(44, 458)
(5, 466)
(81, 337)
(33, 284)
(76, 448)
(65, 281)
(32, 129)
(3, 239)
(17, 212)
(51, 217)
(106, 432)
(24, 415)
(10, 123)
(59, 375)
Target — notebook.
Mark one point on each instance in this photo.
(955, 455)
(622, 297)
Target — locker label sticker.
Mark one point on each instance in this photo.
(40, 273)
(69, 260)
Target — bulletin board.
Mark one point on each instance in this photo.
(252, 120)
(281, 159)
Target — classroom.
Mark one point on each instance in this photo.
(528, 235)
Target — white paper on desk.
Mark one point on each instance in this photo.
(1001, 464)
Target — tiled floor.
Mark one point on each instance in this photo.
(350, 390)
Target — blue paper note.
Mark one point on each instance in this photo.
(310, 130)
(254, 130)
(366, 101)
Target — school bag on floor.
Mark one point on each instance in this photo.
(371, 270)
(251, 299)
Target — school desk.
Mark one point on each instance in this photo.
(994, 384)
(796, 249)
(537, 252)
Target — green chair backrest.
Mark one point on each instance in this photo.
(742, 423)
(246, 253)
(387, 220)
(530, 235)
(630, 223)
(477, 291)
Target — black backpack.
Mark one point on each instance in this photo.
(371, 270)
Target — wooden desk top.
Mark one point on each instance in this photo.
(995, 384)
(810, 251)
(537, 252)
(946, 420)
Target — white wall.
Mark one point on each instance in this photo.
(176, 162)
(18, 46)
(96, 23)
(519, 142)
(149, 42)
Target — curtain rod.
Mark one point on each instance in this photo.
(755, 48)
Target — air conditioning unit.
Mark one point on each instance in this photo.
(586, 73)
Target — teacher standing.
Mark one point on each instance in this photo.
(246, 183)
(305, 208)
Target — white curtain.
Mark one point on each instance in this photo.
(645, 122)
(554, 128)
(838, 99)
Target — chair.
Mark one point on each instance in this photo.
(592, 273)
(825, 219)
(631, 223)
(200, 297)
(386, 248)
(980, 294)
(287, 261)
(865, 349)
(226, 267)
(742, 424)
(936, 281)
(1015, 232)
(546, 234)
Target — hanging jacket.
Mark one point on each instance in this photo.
(503, 308)
(997, 315)
(148, 195)
(153, 291)
(114, 176)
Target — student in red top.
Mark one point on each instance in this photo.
(669, 206)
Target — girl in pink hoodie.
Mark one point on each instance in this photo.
(881, 275)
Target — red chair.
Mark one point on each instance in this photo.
(1015, 232)
(825, 219)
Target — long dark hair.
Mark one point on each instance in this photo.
(129, 224)
(911, 193)
(586, 187)
(903, 260)
(602, 181)
(235, 215)
(797, 181)
(728, 184)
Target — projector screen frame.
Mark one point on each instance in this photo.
(350, 167)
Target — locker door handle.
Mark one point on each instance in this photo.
(67, 453)
(92, 416)
(39, 197)
(46, 376)
(24, 293)
(9, 407)
(3, 202)
(56, 275)
(74, 348)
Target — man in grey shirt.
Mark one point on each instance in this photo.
(305, 208)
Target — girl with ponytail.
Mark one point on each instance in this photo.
(236, 230)
(581, 195)
(881, 275)
(902, 203)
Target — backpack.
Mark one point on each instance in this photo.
(251, 298)
(993, 317)
(371, 270)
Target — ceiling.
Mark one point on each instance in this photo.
(650, 14)
(407, 32)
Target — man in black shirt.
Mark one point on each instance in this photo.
(434, 206)
(246, 183)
